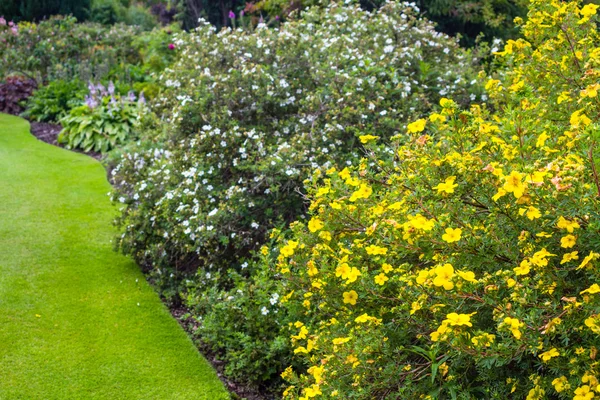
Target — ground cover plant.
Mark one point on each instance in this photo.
(467, 266)
(106, 120)
(247, 113)
(78, 320)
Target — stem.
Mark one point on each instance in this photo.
(594, 171)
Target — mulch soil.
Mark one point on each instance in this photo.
(49, 133)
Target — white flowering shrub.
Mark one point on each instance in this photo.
(248, 113)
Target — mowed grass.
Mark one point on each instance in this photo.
(77, 320)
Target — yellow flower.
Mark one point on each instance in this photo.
(311, 268)
(325, 235)
(514, 184)
(595, 288)
(435, 117)
(362, 318)
(583, 393)
(375, 250)
(452, 235)
(363, 192)
(587, 260)
(485, 339)
(417, 126)
(568, 225)
(446, 187)
(364, 139)
(447, 103)
(454, 319)
(315, 224)
(387, 268)
(288, 249)
(444, 274)
(523, 268)
(548, 355)
(568, 241)
(564, 96)
(561, 384)
(533, 213)
(381, 279)
(353, 275)
(514, 325)
(343, 270)
(302, 334)
(350, 297)
(579, 120)
(569, 256)
(467, 276)
(340, 340)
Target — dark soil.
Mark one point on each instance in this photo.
(239, 391)
(49, 133)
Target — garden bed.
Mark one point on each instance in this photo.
(49, 133)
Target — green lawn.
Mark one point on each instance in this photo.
(78, 321)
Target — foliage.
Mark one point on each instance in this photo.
(36, 10)
(106, 121)
(248, 113)
(60, 48)
(467, 265)
(14, 91)
(52, 102)
(470, 19)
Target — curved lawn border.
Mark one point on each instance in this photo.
(77, 320)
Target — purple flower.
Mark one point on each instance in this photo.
(277, 17)
(241, 13)
(102, 90)
(2, 21)
(231, 15)
(142, 99)
(111, 88)
(91, 102)
(171, 46)
(131, 96)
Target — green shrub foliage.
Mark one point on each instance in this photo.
(52, 102)
(467, 266)
(249, 113)
(60, 48)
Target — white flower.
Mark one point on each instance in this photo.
(264, 310)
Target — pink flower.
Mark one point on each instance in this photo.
(231, 15)
(2, 21)
(171, 46)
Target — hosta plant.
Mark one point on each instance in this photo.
(105, 121)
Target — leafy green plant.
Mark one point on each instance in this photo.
(103, 123)
(53, 101)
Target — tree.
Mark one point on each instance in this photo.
(35, 10)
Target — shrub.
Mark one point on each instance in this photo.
(14, 91)
(60, 48)
(249, 113)
(467, 266)
(105, 121)
(52, 102)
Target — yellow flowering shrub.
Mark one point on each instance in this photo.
(467, 265)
